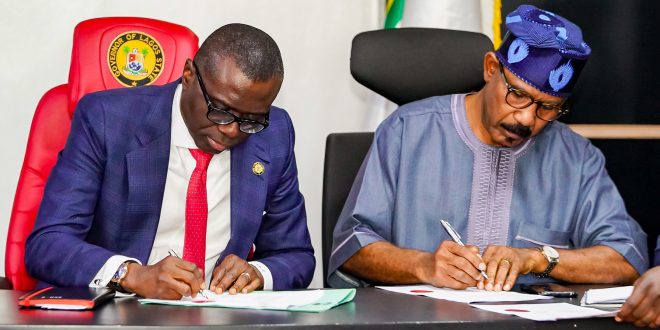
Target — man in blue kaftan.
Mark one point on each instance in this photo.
(530, 197)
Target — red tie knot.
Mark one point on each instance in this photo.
(202, 158)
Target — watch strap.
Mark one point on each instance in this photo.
(552, 262)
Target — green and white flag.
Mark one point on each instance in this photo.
(394, 13)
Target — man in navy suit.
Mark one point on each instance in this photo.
(123, 201)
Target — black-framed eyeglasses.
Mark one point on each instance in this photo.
(223, 117)
(520, 100)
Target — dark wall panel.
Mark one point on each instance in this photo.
(633, 166)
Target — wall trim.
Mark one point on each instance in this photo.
(608, 131)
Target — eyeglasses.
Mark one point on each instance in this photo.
(520, 100)
(224, 117)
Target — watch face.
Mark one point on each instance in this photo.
(121, 272)
(550, 252)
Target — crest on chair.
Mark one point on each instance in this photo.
(135, 59)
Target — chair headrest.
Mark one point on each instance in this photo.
(114, 52)
(409, 64)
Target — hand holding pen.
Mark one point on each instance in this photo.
(201, 290)
(452, 265)
(457, 238)
(169, 278)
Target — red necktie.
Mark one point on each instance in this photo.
(197, 211)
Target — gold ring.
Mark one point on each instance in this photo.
(246, 274)
(505, 260)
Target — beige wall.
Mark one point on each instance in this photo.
(314, 37)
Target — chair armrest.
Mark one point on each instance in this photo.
(5, 284)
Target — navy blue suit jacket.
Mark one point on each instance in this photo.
(104, 195)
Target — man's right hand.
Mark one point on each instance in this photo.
(453, 266)
(170, 278)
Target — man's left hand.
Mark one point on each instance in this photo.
(235, 275)
(504, 264)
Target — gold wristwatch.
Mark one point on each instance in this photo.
(120, 274)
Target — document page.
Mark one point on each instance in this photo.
(469, 295)
(546, 312)
(609, 297)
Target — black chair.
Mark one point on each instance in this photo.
(403, 65)
(344, 153)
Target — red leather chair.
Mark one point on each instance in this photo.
(108, 53)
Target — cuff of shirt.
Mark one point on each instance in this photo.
(105, 274)
(265, 273)
(360, 237)
(631, 253)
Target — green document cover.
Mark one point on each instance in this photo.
(313, 301)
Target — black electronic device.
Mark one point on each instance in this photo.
(550, 289)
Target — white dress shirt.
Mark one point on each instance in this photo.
(171, 226)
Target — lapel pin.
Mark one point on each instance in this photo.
(258, 168)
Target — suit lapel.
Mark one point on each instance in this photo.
(248, 194)
(147, 171)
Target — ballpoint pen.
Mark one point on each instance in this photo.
(173, 254)
(457, 238)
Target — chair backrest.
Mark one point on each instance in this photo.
(108, 53)
(402, 65)
(410, 64)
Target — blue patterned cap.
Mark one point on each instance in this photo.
(543, 49)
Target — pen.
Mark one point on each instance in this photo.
(457, 238)
(173, 254)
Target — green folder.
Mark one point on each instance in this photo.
(331, 298)
(269, 300)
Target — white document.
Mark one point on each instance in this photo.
(547, 312)
(609, 297)
(253, 300)
(469, 295)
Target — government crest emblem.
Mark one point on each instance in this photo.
(135, 62)
(135, 59)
